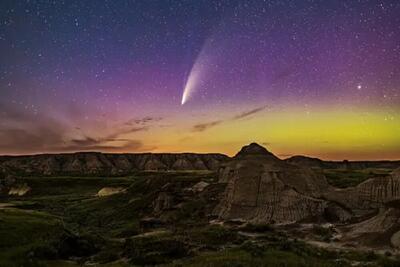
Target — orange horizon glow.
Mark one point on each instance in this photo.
(329, 134)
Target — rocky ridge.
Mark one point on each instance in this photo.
(261, 188)
(93, 163)
(96, 163)
(264, 189)
(345, 164)
(258, 187)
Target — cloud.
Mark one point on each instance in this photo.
(133, 145)
(108, 142)
(248, 113)
(45, 140)
(143, 121)
(205, 126)
(103, 142)
(201, 127)
(86, 141)
(23, 132)
(122, 131)
(21, 140)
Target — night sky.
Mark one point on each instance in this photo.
(318, 78)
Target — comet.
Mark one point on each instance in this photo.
(196, 77)
(191, 84)
(193, 80)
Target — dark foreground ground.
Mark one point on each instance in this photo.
(62, 221)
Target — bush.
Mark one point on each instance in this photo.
(155, 249)
(326, 233)
(257, 228)
(253, 248)
(213, 236)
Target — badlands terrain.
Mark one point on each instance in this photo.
(254, 209)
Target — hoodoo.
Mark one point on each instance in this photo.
(262, 188)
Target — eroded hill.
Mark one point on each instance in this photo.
(93, 163)
(251, 210)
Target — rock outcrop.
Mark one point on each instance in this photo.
(109, 191)
(345, 164)
(264, 189)
(381, 230)
(368, 196)
(90, 163)
(19, 190)
(6, 180)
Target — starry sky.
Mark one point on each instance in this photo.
(313, 77)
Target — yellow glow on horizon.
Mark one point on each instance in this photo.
(333, 134)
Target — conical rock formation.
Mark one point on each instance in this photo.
(264, 189)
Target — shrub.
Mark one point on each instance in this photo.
(154, 249)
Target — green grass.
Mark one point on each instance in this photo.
(283, 253)
(323, 233)
(82, 186)
(256, 228)
(62, 213)
(24, 232)
(343, 178)
(155, 249)
(117, 216)
(29, 237)
(211, 236)
(240, 257)
(19, 227)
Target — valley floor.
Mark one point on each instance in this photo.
(63, 221)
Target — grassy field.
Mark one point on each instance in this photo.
(343, 178)
(61, 222)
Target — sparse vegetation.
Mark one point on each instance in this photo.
(343, 178)
(157, 248)
(30, 236)
(324, 233)
(63, 223)
(258, 228)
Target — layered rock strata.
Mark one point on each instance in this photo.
(90, 163)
